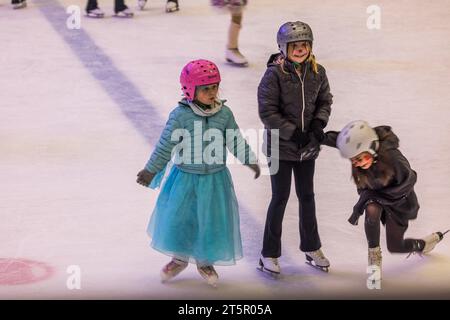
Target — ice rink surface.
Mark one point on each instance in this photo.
(80, 111)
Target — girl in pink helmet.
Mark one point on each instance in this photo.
(196, 216)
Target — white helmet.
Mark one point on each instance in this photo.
(355, 138)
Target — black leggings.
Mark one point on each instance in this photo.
(394, 231)
(281, 188)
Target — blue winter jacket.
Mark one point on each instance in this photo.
(193, 147)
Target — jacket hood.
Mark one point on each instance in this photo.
(388, 139)
(203, 112)
(273, 58)
(276, 58)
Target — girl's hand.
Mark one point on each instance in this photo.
(256, 169)
(300, 138)
(145, 177)
(316, 128)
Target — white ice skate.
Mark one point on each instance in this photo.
(141, 4)
(95, 13)
(209, 274)
(172, 269)
(374, 263)
(172, 6)
(125, 13)
(269, 265)
(318, 260)
(432, 240)
(19, 5)
(235, 57)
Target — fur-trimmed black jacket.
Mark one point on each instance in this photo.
(389, 181)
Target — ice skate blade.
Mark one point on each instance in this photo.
(241, 65)
(20, 5)
(170, 10)
(141, 5)
(123, 15)
(373, 284)
(94, 16)
(273, 274)
(212, 282)
(324, 269)
(164, 278)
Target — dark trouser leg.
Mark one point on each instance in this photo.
(372, 224)
(281, 187)
(395, 241)
(304, 187)
(91, 5)
(119, 5)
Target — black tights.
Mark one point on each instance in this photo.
(394, 232)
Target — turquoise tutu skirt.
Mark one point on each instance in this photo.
(196, 218)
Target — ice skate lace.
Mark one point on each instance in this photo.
(375, 256)
(209, 270)
(274, 261)
(174, 265)
(318, 254)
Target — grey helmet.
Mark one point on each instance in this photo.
(293, 32)
(355, 138)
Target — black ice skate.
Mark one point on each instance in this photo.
(317, 260)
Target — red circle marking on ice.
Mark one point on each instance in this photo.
(23, 271)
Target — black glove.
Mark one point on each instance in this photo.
(301, 138)
(256, 169)
(145, 177)
(316, 128)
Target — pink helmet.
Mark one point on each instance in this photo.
(198, 73)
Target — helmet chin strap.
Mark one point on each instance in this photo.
(297, 64)
(373, 150)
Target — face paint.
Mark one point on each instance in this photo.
(363, 160)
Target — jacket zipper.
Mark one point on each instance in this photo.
(303, 102)
(206, 129)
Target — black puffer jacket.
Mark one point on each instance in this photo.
(286, 104)
(398, 197)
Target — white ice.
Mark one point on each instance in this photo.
(69, 155)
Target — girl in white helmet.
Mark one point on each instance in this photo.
(385, 184)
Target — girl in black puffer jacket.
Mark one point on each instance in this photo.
(294, 102)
